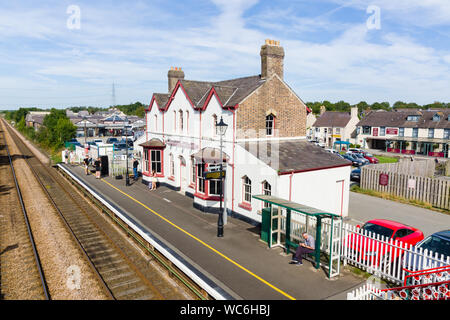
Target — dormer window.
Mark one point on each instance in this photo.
(436, 118)
(413, 118)
(270, 124)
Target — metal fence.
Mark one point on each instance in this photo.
(435, 191)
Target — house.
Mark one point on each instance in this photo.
(333, 126)
(265, 150)
(35, 119)
(424, 132)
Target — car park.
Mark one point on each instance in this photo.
(112, 140)
(355, 161)
(436, 244)
(370, 157)
(355, 175)
(369, 249)
(361, 157)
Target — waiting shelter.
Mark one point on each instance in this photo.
(284, 221)
(340, 143)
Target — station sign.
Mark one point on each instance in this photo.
(208, 175)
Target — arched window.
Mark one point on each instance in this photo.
(181, 121)
(172, 165)
(246, 190)
(267, 190)
(214, 120)
(174, 121)
(187, 122)
(270, 124)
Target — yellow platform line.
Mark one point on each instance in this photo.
(202, 242)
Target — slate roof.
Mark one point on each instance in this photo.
(333, 119)
(399, 119)
(293, 155)
(230, 92)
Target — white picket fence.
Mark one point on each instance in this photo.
(373, 253)
(384, 257)
(367, 292)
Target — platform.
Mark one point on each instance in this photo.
(239, 265)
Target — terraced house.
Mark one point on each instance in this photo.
(424, 132)
(265, 150)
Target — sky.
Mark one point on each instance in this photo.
(69, 53)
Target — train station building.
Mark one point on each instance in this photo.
(265, 150)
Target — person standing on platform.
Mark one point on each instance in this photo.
(307, 247)
(86, 164)
(98, 168)
(135, 169)
(153, 181)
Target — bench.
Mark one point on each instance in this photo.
(309, 256)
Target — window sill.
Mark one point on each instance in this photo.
(246, 206)
(172, 178)
(205, 197)
(158, 175)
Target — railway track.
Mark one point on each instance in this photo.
(122, 270)
(19, 257)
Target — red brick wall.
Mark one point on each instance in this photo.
(274, 95)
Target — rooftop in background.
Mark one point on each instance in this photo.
(399, 118)
(333, 119)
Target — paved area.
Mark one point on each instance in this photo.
(364, 207)
(242, 264)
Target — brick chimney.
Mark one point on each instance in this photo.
(173, 76)
(272, 56)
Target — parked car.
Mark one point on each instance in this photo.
(438, 242)
(128, 141)
(98, 141)
(369, 157)
(320, 144)
(332, 151)
(355, 150)
(355, 175)
(355, 161)
(369, 250)
(360, 156)
(112, 140)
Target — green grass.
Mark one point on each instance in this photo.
(385, 159)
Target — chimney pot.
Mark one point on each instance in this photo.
(174, 74)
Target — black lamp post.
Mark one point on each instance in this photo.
(127, 177)
(221, 128)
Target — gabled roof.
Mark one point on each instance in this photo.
(229, 92)
(333, 119)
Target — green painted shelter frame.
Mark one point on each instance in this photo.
(340, 143)
(308, 211)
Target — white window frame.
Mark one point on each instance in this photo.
(246, 190)
(270, 125)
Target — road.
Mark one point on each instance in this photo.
(363, 208)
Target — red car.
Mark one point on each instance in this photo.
(369, 157)
(366, 249)
(365, 154)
